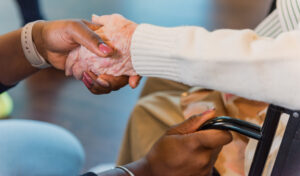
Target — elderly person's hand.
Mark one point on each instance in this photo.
(101, 75)
(117, 32)
(184, 151)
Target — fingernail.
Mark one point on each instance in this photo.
(102, 82)
(135, 85)
(87, 78)
(104, 48)
(86, 82)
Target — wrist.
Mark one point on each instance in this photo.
(37, 37)
(130, 36)
(140, 167)
(133, 27)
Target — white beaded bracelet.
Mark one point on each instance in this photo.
(29, 48)
(126, 170)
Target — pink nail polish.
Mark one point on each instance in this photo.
(104, 48)
(102, 82)
(86, 83)
(87, 78)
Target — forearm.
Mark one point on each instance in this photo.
(232, 61)
(13, 64)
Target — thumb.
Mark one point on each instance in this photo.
(192, 124)
(91, 25)
(211, 139)
(100, 19)
(85, 36)
(134, 81)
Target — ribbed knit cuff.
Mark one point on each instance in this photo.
(151, 52)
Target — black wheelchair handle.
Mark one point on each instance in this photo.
(228, 123)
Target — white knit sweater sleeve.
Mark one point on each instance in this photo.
(232, 61)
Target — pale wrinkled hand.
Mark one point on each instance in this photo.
(117, 33)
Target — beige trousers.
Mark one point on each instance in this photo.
(160, 106)
(157, 110)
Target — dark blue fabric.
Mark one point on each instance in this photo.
(4, 88)
(273, 6)
(30, 10)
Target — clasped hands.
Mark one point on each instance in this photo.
(182, 150)
(104, 74)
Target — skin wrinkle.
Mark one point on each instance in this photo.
(117, 34)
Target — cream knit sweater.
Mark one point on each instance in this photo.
(233, 61)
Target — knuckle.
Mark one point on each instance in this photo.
(72, 25)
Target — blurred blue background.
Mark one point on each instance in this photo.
(160, 12)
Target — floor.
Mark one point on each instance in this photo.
(99, 121)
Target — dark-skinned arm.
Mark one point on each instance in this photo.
(53, 39)
(182, 151)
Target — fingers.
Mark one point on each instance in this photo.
(115, 82)
(103, 83)
(209, 139)
(83, 35)
(134, 81)
(193, 123)
(90, 81)
(101, 20)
